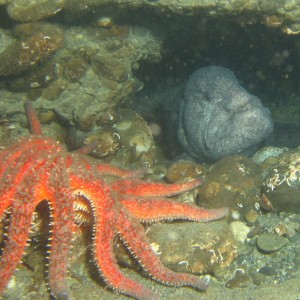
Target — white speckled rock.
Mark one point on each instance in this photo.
(239, 231)
(266, 152)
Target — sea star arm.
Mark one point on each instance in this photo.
(106, 169)
(61, 206)
(105, 211)
(133, 234)
(15, 160)
(18, 231)
(102, 169)
(109, 170)
(9, 186)
(22, 209)
(32, 183)
(156, 209)
(15, 165)
(34, 122)
(3, 160)
(14, 170)
(153, 189)
(110, 270)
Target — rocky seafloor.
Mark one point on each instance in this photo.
(106, 72)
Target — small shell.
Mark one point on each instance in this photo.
(285, 230)
(105, 142)
(265, 203)
(105, 22)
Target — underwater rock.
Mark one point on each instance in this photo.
(110, 69)
(282, 183)
(182, 169)
(28, 11)
(239, 230)
(267, 152)
(138, 144)
(105, 142)
(193, 248)
(241, 279)
(35, 42)
(218, 117)
(271, 242)
(280, 13)
(75, 68)
(39, 77)
(233, 181)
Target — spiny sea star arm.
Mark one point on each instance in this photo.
(19, 170)
(3, 160)
(149, 189)
(22, 188)
(34, 123)
(106, 169)
(105, 211)
(18, 231)
(21, 152)
(108, 267)
(10, 180)
(156, 209)
(61, 206)
(134, 237)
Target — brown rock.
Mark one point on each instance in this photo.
(35, 42)
(182, 169)
(75, 68)
(104, 142)
(110, 68)
(233, 181)
(282, 184)
(193, 247)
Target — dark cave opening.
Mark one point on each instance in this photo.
(265, 61)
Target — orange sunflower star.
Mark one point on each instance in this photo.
(38, 169)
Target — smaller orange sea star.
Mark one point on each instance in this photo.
(38, 169)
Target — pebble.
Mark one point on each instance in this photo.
(239, 231)
(256, 230)
(267, 270)
(264, 153)
(241, 279)
(251, 216)
(270, 242)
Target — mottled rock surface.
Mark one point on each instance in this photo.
(33, 10)
(193, 247)
(35, 43)
(282, 183)
(92, 74)
(276, 13)
(233, 181)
